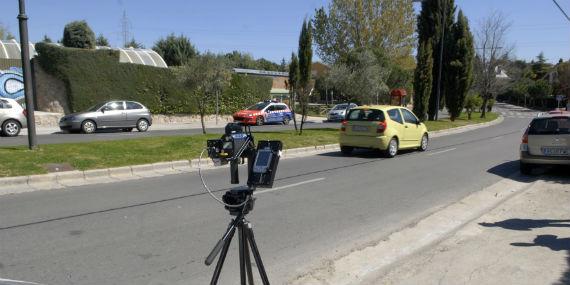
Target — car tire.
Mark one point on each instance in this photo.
(259, 121)
(424, 143)
(142, 125)
(11, 128)
(126, 130)
(88, 127)
(346, 150)
(392, 148)
(286, 121)
(526, 168)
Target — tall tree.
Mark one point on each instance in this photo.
(491, 53)
(78, 34)
(102, 41)
(423, 79)
(46, 39)
(540, 67)
(305, 85)
(460, 72)
(5, 33)
(293, 84)
(435, 13)
(133, 44)
(344, 25)
(204, 76)
(175, 50)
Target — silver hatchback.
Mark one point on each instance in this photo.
(12, 117)
(125, 115)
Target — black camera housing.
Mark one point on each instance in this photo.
(262, 171)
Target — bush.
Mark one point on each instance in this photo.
(175, 51)
(92, 76)
(78, 34)
(472, 102)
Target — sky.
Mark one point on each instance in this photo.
(268, 29)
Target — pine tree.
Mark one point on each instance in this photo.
(293, 84)
(305, 67)
(460, 70)
(423, 79)
(102, 41)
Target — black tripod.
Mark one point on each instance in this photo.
(245, 235)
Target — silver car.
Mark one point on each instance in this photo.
(338, 112)
(125, 115)
(12, 117)
(546, 141)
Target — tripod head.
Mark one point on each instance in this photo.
(241, 198)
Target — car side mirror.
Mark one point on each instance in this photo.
(103, 109)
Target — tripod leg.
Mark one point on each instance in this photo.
(247, 258)
(222, 257)
(256, 255)
(242, 241)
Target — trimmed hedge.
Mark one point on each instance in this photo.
(93, 76)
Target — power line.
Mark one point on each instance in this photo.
(561, 10)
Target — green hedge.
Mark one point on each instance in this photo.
(92, 76)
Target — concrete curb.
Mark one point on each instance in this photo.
(58, 180)
(363, 265)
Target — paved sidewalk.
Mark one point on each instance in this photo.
(526, 240)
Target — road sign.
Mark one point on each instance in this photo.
(560, 98)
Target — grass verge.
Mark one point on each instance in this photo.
(17, 161)
(459, 122)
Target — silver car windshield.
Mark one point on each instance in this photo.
(96, 107)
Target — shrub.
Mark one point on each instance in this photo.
(78, 34)
(472, 102)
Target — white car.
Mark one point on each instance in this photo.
(338, 112)
(546, 141)
(12, 117)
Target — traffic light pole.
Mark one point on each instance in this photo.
(27, 69)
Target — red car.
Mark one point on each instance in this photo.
(264, 112)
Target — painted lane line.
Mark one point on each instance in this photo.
(18, 281)
(289, 186)
(443, 151)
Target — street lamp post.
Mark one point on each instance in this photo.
(27, 69)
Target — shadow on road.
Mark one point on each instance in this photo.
(510, 169)
(549, 241)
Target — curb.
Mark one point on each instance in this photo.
(58, 180)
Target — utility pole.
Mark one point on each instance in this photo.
(27, 69)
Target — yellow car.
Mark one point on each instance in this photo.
(387, 128)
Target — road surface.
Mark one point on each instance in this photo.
(159, 230)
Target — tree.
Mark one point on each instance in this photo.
(102, 41)
(423, 79)
(360, 78)
(305, 85)
(539, 91)
(293, 84)
(472, 102)
(491, 52)
(5, 33)
(46, 39)
(133, 44)
(540, 67)
(175, 50)
(204, 76)
(345, 25)
(460, 72)
(283, 65)
(78, 34)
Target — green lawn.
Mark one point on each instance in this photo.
(16, 161)
(461, 121)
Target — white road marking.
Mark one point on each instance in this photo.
(443, 151)
(497, 138)
(18, 281)
(289, 186)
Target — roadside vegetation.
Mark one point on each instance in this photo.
(18, 161)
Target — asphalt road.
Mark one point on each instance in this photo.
(60, 137)
(159, 230)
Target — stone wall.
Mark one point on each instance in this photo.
(50, 91)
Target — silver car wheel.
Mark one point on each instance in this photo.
(425, 141)
(88, 127)
(142, 125)
(392, 147)
(11, 128)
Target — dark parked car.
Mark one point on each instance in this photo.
(125, 115)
